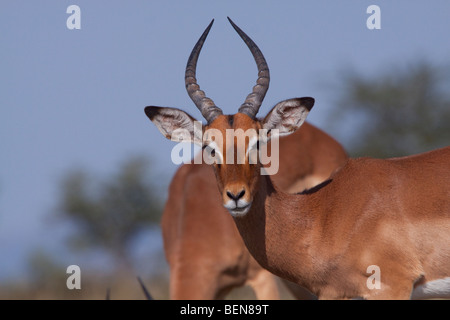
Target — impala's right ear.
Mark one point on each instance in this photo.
(176, 124)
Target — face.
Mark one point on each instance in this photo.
(233, 142)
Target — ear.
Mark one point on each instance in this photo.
(288, 115)
(176, 124)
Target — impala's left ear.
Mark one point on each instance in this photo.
(288, 115)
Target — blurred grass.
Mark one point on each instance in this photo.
(95, 287)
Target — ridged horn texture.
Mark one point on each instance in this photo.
(254, 100)
(206, 106)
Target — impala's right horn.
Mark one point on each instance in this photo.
(254, 100)
(206, 106)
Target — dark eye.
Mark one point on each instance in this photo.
(212, 151)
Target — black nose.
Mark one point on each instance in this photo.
(236, 197)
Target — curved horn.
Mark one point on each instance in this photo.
(206, 106)
(253, 101)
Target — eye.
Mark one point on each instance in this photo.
(253, 153)
(211, 150)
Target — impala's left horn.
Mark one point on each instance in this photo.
(254, 100)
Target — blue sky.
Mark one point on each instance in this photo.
(72, 98)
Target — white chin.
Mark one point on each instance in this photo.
(239, 212)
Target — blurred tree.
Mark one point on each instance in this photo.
(403, 112)
(109, 214)
(45, 271)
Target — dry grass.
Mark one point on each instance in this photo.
(95, 287)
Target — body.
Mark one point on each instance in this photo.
(388, 224)
(206, 254)
(392, 214)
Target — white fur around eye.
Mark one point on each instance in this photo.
(252, 144)
(210, 159)
(252, 150)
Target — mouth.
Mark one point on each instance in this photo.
(239, 211)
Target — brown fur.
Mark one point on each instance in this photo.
(391, 213)
(206, 254)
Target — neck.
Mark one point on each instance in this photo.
(277, 237)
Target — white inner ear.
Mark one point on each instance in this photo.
(178, 126)
(164, 127)
(181, 134)
(198, 133)
(288, 116)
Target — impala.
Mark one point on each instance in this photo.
(208, 269)
(393, 214)
(206, 254)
